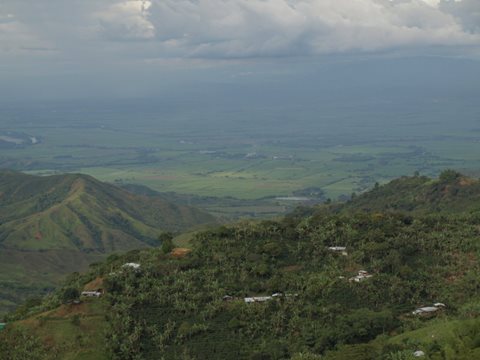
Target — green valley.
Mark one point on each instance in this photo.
(244, 157)
(318, 284)
(240, 180)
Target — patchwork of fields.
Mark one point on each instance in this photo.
(222, 152)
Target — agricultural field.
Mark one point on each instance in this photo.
(219, 151)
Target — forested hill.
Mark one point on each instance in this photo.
(53, 225)
(450, 193)
(323, 286)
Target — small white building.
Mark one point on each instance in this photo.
(418, 353)
(91, 293)
(362, 275)
(340, 249)
(133, 266)
(337, 248)
(255, 299)
(425, 310)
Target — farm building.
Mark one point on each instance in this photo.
(256, 299)
(362, 275)
(337, 248)
(91, 293)
(340, 249)
(425, 310)
(277, 295)
(133, 266)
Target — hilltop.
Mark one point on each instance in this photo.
(451, 192)
(53, 225)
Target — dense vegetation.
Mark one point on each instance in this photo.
(190, 304)
(450, 193)
(173, 307)
(54, 225)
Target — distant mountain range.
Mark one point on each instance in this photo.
(53, 225)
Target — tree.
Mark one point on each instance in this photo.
(70, 294)
(166, 240)
(19, 344)
(75, 320)
(449, 175)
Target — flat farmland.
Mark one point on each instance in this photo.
(255, 155)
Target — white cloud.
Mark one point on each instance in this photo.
(467, 13)
(433, 3)
(248, 28)
(156, 29)
(126, 20)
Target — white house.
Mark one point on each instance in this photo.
(134, 266)
(340, 249)
(337, 248)
(256, 299)
(362, 275)
(91, 293)
(429, 309)
(425, 310)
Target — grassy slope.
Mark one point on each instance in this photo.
(451, 334)
(72, 341)
(52, 226)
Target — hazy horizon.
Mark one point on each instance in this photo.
(213, 93)
(52, 50)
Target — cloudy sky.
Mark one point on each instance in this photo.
(61, 41)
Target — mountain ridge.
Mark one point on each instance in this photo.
(41, 217)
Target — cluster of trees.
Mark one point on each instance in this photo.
(17, 344)
(174, 307)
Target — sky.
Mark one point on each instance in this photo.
(132, 48)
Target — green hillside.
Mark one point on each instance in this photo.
(174, 305)
(51, 226)
(451, 192)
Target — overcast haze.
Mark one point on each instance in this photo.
(58, 48)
